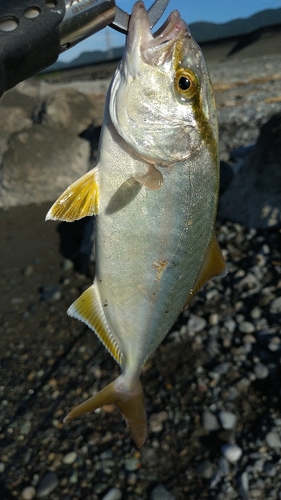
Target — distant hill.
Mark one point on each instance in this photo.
(203, 32)
(208, 32)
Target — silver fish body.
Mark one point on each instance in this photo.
(155, 191)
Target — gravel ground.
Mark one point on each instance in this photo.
(212, 388)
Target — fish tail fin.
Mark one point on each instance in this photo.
(130, 401)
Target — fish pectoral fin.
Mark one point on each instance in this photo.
(129, 400)
(153, 179)
(88, 308)
(79, 200)
(213, 266)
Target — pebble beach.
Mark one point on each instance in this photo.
(212, 388)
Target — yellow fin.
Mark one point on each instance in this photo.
(129, 399)
(88, 308)
(213, 266)
(78, 200)
(153, 179)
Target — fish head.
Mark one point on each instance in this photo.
(161, 99)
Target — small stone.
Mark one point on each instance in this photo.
(25, 427)
(196, 324)
(222, 368)
(67, 265)
(51, 292)
(215, 479)
(160, 493)
(156, 421)
(113, 494)
(249, 339)
(246, 327)
(132, 464)
(243, 485)
(273, 440)
(261, 371)
(204, 469)
(28, 271)
(28, 493)
(2, 467)
(274, 346)
(47, 484)
(256, 313)
(227, 419)
(214, 319)
(270, 469)
(74, 478)
(69, 458)
(275, 306)
(210, 422)
(223, 466)
(230, 325)
(232, 452)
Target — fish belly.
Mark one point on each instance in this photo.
(149, 250)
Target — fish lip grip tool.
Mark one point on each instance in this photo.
(34, 32)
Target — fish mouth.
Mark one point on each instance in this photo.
(158, 47)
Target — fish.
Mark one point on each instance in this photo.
(154, 191)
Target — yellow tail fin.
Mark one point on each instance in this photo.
(130, 400)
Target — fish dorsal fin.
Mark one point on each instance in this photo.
(78, 200)
(212, 266)
(153, 179)
(88, 308)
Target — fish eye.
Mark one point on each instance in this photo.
(186, 83)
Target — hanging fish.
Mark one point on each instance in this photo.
(154, 191)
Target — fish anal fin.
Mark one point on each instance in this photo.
(130, 400)
(79, 200)
(153, 179)
(213, 266)
(88, 308)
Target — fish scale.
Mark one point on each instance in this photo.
(154, 191)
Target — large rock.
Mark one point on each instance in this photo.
(70, 109)
(40, 163)
(253, 197)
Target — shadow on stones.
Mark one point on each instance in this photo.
(76, 238)
(76, 243)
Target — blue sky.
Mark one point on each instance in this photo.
(217, 11)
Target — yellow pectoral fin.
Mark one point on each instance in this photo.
(213, 266)
(78, 200)
(88, 308)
